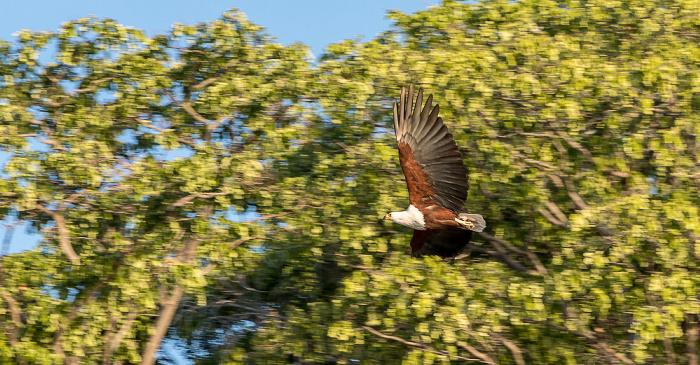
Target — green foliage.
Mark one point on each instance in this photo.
(578, 121)
(116, 139)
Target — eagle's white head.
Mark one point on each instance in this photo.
(411, 217)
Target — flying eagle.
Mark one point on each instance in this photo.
(436, 180)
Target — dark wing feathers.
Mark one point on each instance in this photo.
(433, 149)
(444, 243)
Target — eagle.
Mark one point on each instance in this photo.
(436, 179)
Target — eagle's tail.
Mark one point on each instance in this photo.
(476, 219)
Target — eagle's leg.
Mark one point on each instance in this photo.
(466, 224)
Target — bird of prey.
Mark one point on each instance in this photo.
(436, 179)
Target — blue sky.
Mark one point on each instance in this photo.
(316, 23)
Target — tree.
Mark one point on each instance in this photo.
(578, 122)
(129, 169)
(579, 126)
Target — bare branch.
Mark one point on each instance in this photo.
(557, 212)
(560, 134)
(150, 125)
(270, 216)
(15, 312)
(616, 173)
(213, 79)
(206, 83)
(63, 234)
(93, 85)
(185, 200)
(188, 108)
(691, 247)
(512, 347)
(6, 240)
(422, 346)
(482, 356)
(578, 201)
(53, 79)
(545, 213)
(527, 134)
(693, 333)
(216, 123)
(537, 163)
(498, 243)
(518, 102)
(15, 315)
(588, 337)
(270, 313)
(113, 343)
(239, 241)
(167, 311)
(502, 256)
(576, 145)
(503, 242)
(169, 305)
(45, 128)
(54, 143)
(556, 180)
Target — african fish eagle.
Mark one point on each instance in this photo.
(436, 178)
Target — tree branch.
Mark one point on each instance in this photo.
(693, 333)
(93, 85)
(188, 108)
(691, 247)
(422, 346)
(150, 125)
(185, 200)
(482, 356)
(500, 243)
(537, 163)
(206, 82)
(216, 78)
(503, 257)
(587, 336)
(15, 315)
(63, 234)
(551, 219)
(113, 343)
(168, 307)
(239, 241)
(558, 213)
(50, 141)
(269, 216)
(571, 190)
(512, 347)
(576, 145)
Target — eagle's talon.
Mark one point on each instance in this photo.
(466, 224)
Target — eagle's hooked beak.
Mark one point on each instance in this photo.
(388, 216)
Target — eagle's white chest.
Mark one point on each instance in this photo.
(411, 217)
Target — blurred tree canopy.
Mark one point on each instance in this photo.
(215, 187)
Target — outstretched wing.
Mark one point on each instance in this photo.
(429, 156)
(444, 243)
